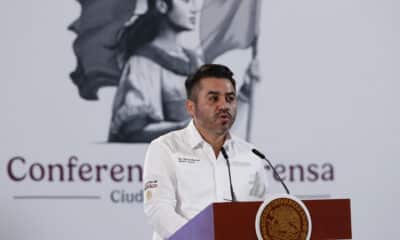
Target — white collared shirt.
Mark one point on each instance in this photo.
(182, 176)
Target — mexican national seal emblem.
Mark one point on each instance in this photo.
(283, 217)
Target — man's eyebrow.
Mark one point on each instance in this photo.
(217, 93)
(213, 93)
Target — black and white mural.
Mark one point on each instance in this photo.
(136, 47)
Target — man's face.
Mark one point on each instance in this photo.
(214, 110)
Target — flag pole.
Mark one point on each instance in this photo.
(254, 53)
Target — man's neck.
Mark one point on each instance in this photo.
(215, 140)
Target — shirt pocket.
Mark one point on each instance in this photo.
(195, 180)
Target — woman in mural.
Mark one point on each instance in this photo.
(152, 63)
(150, 99)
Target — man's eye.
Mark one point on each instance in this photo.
(230, 98)
(213, 98)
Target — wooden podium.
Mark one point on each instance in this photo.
(331, 219)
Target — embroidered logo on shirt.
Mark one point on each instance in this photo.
(187, 160)
(258, 187)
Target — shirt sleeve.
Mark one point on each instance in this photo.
(160, 191)
(139, 94)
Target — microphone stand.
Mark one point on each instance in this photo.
(233, 196)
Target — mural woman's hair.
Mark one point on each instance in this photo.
(142, 30)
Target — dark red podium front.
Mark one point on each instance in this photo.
(331, 219)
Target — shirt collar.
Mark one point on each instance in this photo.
(194, 136)
(195, 139)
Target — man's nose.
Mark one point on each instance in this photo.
(223, 104)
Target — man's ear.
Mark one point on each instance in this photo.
(190, 107)
(162, 6)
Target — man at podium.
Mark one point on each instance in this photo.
(187, 169)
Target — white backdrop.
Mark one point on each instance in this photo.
(328, 101)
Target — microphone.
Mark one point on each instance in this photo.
(233, 196)
(262, 156)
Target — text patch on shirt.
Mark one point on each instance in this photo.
(188, 160)
(150, 184)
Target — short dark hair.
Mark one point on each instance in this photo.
(207, 70)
